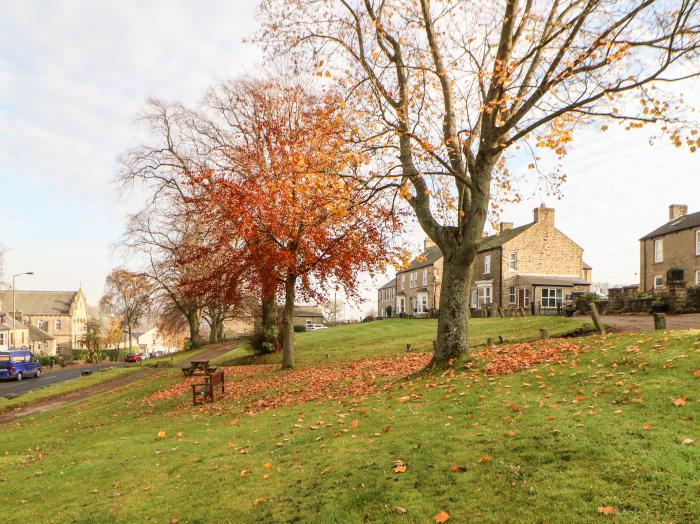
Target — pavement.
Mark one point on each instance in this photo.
(48, 378)
(646, 322)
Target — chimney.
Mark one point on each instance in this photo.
(676, 211)
(427, 243)
(505, 226)
(544, 214)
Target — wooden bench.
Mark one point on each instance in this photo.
(204, 391)
(198, 368)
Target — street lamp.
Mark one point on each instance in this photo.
(14, 305)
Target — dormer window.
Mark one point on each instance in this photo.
(658, 250)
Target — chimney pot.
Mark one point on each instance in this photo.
(677, 211)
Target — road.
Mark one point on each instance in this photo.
(48, 378)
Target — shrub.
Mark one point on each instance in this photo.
(299, 329)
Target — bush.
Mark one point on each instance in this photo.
(299, 329)
(47, 361)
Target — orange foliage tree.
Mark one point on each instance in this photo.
(447, 91)
(283, 177)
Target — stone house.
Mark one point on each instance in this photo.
(15, 336)
(534, 266)
(61, 314)
(386, 299)
(672, 249)
(305, 315)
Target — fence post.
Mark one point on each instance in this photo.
(659, 321)
(600, 328)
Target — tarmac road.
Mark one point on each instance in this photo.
(48, 378)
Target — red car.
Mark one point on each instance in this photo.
(132, 357)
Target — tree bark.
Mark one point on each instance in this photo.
(270, 328)
(288, 323)
(193, 320)
(451, 340)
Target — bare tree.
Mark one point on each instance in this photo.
(445, 92)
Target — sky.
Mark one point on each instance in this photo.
(75, 74)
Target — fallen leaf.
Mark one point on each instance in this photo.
(441, 517)
(354, 424)
(606, 510)
(647, 427)
(400, 510)
(400, 468)
(246, 473)
(162, 434)
(696, 373)
(680, 401)
(267, 465)
(485, 458)
(454, 468)
(687, 441)
(259, 501)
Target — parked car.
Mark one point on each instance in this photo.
(132, 357)
(144, 356)
(314, 327)
(18, 364)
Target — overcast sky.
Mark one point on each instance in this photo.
(75, 74)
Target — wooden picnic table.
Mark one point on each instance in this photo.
(198, 368)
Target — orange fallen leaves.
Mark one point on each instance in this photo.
(442, 517)
(246, 473)
(267, 465)
(454, 468)
(696, 373)
(259, 501)
(162, 434)
(647, 427)
(354, 424)
(680, 401)
(509, 358)
(485, 458)
(606, 510)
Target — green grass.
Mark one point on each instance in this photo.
(566, 438)
(389, 338)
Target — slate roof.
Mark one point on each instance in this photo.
(586, 266)
(546, 280)
(307, 311)
(39, 302)
(391, 283)
(677, 224)
(7, 324)
(426, 258)
(36, 334)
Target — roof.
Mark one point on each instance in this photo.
(586, 265)
(36, 334)
(495, 241)
(391, 283)
(39, 302)
(425, 259)
(307, 311)
(677, 224)
(7, 324)
(553, 280)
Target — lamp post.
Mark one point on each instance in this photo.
(14, 305)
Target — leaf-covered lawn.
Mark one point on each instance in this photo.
(603, 428)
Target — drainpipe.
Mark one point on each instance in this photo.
(500, 278)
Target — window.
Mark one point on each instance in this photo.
(487, 264)
(400, 305)
(513, 261)
(414, 279)
(659, 250)
(484, 295)
(425, 277)
(658, 281)
(511, 295)
(422, 303)
(697, 242)
(57, 325)
(41, 324)
(526, 297)
(551, 298)
(2, 341)
(403, 280)
(697, 277)
(475, 298)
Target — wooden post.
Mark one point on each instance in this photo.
(483, 312)
(489, 341)
(659, 321)
(408, 347)
(501, 339)
(600, 328)
(500, 311)
(544, 333)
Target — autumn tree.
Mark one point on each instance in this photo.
(113, 333)
(449, 91)
(284, 179)
(128, 296)
(93, 340)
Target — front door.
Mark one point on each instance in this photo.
(521, 297)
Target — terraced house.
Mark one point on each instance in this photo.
(534, 266)
(671, 251)
(59, 316)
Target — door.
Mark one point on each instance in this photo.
(521, 297)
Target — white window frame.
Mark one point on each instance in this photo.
(526, 297)
(658, 250)
(513, 261)
(2, 339)
(475, 298)
(414, 279)
(487, 264)
(57, 325)
(549, 301)
(697, 277)
(425, 277)
(485, 295)
(403, 280)
(512, 295)
(422, 303)
(400, 305)
(660, 283)
(697, 242)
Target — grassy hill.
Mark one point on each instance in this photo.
(602, 424)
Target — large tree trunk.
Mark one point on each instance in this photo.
(288, 322)
(193, 321)
(270, 326)
(453, 314)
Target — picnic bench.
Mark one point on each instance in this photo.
(198, 368)
(204, 391)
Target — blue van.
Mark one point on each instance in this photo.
(18, 364)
